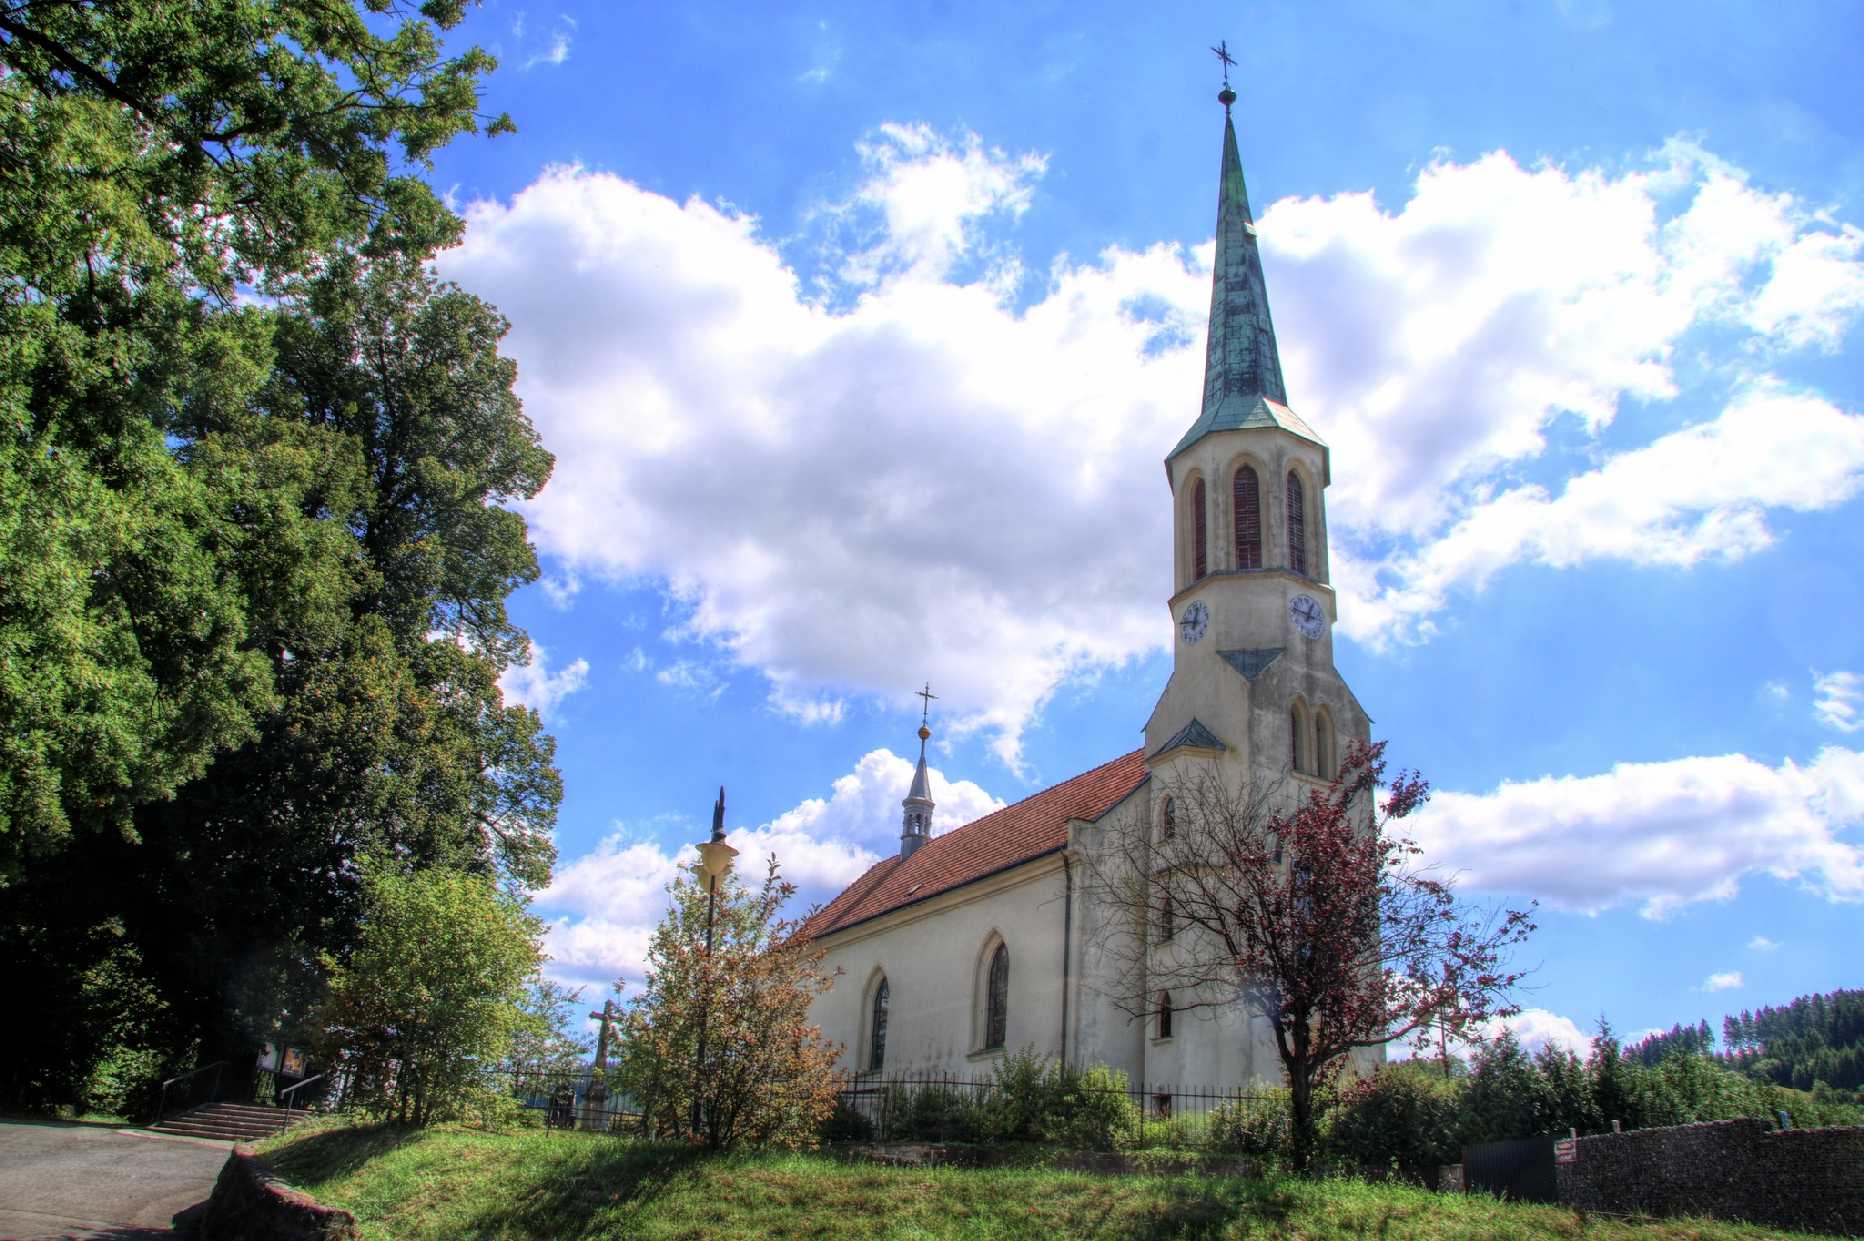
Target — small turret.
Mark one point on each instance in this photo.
(916, 820)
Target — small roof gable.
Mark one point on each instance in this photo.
(1194, 735)
(1032, 828)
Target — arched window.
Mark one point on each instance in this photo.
(997, 998)
(1297, 524)
(877, 1043)
(1324, 764)
(1200, 562)
(1246, 504)
(1164, 1014)
(1297, 726)
(1168, 821)
(1168, 922)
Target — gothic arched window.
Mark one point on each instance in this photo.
(997, 998)
(877, 1041)
(1300, 758)
(1164, 1014)
(1246, 503)
(1325, 765)
(1168, 821)
(1199, 559)
(1297, 524)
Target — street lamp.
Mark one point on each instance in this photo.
(715, 863)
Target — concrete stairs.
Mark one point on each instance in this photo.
(230, 1122)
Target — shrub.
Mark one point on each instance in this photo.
(1397, 1118)
(1024, 1090)
(1257, 1127)
(1089, 1109)
(845, 1124)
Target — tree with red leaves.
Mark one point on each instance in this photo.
(1314, 915)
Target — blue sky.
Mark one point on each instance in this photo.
(860, 339)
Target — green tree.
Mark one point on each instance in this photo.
(434, 991)
(766, 1075)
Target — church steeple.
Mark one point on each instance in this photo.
(1242, 366)
(916, 819)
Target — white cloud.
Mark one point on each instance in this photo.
(558, 50)
(832, 488)
(1535, 1028)
(1776, 691)
(534, 685)
(1760, 943)
(637, 661)
(702, 680)
(1701, 493)
(1726, 981)
(1838, 701)
(1661, 834)
(604, 904)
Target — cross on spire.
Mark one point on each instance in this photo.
(925, 708)
(1222, 51)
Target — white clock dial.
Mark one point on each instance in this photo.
(1195, 620)
(1307, 615)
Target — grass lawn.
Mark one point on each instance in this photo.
(531, 1184)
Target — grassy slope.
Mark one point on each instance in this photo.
(465, 1183)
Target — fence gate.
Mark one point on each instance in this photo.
(1521, 1170)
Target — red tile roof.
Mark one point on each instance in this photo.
(1034, 826)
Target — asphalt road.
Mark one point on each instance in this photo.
(61, 1180)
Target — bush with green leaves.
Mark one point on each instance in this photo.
(434, 991)
(1089, 1109)
(1399, 1118)
(1258, 1127)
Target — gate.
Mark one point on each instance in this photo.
(1521, 1170)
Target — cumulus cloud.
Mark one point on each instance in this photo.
(534, 685)
(1701, 493)
(1533, 1029)
(602, 906)
(1760, 943)
(1727, 981)
(906, 465)
(1659, 834)
(1838, 701)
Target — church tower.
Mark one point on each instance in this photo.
(1253, 683)
(916, 817)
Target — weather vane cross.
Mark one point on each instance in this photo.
(1223, 54)
(925, 709)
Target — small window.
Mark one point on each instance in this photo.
(1164, 1014)
(1297, 524)
(1161, 1106)
(1168, 922)
(1246, 505)
(1199, 560)
(1323, 745)
(997, 1003)
(1168, 821)
(877, 1046)
(1297, 725)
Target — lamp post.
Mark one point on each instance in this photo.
(714, 862)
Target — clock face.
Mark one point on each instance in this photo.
(1307, 615)
(1195, 620)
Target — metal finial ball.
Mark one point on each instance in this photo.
(1226, 96)
(924, 732)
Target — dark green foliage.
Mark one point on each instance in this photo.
(1815, 1039)
(1258, 1127)
(1401, 1118)
(228, 533)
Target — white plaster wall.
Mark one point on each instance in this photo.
(931, 956)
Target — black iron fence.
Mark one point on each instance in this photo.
(1085, 1111)
(575, 1099)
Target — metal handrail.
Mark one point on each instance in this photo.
(286, 1093)
(161, 1108)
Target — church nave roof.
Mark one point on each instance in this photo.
(1029, 829)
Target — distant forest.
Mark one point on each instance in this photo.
(1815, 1040)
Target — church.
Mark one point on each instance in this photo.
(985, 940)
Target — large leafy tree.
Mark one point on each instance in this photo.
(1309, 913)
(256, 555)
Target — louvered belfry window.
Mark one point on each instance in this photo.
(1199, 561)
(877, 1052)
(997, 1004)
(1297, 524)
(1247, 503)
